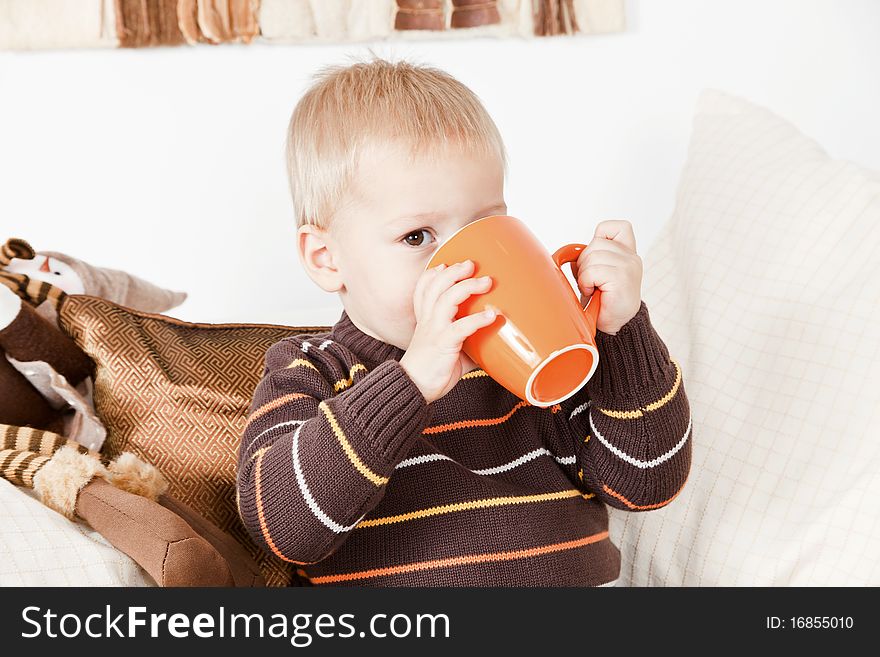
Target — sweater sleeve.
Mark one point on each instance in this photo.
(317, 452)
(629, 427)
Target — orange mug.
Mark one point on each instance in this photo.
(542, 344)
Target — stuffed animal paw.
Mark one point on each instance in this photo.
(126, 502)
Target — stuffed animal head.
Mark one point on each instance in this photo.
(55, 272)
(77, 277)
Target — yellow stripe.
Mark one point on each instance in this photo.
(303, 362)
(464, 506)
(632, 415)
(349, 452)
(342, 384)
(665, 399)
(474, 374)
(586, 496)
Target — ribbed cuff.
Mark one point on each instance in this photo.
(388, 408)
(630, 361)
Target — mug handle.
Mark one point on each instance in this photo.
(570, 253)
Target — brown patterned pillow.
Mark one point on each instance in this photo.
(177, 394)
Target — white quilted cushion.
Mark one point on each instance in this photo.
(765, 285)
(40, 547)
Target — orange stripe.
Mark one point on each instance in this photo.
(475, 423)
(275, 403)
(459, 561)
(647, 506)
(263, 527)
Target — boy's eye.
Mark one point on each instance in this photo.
(415, 237)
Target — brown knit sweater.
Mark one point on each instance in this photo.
(346, 471)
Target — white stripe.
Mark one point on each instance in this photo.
(579, 409)
(634, 461)
(427, 458)
(282, 424)
(306, 344)
(307, 495)
(611, 583)
(525, 458)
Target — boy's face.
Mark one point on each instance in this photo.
(398, 211)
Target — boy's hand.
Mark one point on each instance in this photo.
(434, 360)
(610, 263)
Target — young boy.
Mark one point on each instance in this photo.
(378, 454)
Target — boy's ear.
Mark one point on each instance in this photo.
(317, 252)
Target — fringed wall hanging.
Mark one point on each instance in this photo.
(474, 13)
(554, 17)
(43, 24)
(420, 15)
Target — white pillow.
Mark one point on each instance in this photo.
(40, 547)
(765, 286)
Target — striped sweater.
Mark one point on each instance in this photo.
(348, 474)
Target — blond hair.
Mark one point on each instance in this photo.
(349, 105)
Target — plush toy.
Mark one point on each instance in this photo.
(51, 435)
(40, 351)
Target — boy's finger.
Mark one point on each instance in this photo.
(421, 287)
(470, 324)
(459, 292)
(595, 276)
(447, 278)
(605, 244)
(603, 257)
(618, 230)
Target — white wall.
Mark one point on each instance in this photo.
(168, 162)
